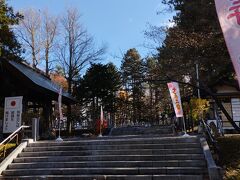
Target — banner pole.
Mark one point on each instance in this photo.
(101, 121)
(59, 139)
(100, 130)
(184, 127)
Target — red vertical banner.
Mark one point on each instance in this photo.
(101, 116)
(60, 103)
(229, 17)
(176, 98)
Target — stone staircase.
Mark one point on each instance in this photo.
(118, 158)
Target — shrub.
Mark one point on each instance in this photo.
(230, 156)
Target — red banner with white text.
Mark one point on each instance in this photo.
(176, 99)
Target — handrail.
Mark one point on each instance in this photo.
(11, 135)
(210, 136)
(10, 138)
(207, 128)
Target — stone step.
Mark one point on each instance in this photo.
(127, 137)
(107, 171)
(166, 140)
(113, 152)
(111, 158)
(108, 177)
(113, 147)
(120, 164)
(141, 130)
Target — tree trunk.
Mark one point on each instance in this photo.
(47, 112)
(69, 108)
(69, 118)
(47, 62)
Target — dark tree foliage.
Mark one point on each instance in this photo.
(132, 71)
(195, 38)
(98, 87)
(9, 46)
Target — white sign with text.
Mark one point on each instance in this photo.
(12, 114)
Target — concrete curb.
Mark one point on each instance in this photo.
(8, 160)
(214, 171)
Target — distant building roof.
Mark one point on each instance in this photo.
(39, 79)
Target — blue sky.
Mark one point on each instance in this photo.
(118, 23)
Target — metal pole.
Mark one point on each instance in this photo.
(184, 127)
(59, 127)
(59, 139)
(101, 121)
(115, 123)
(197, 72)
(35, 129)
(100, 131)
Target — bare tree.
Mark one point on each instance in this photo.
(38, 31)
(76, 50)
(29, 31)
(49, 32)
